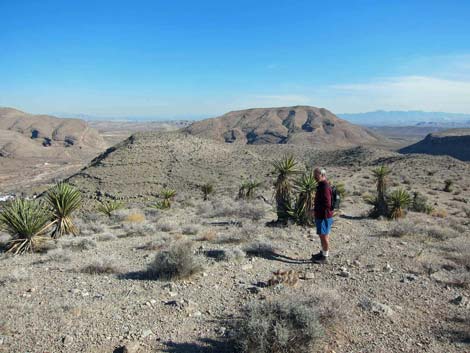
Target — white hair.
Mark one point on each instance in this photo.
(321, 171)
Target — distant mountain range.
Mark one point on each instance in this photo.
(408, 118)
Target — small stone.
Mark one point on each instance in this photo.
(172, 294)
(197, 313)
(308, 275)
(247, 267)
(344, 274)
(357, 263)
(387, 268)
(460, 301)
(131, 347)
(31, 290)
(146, 333)
(67, 340)
(153, 301)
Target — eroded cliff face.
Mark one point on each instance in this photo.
(454, 143)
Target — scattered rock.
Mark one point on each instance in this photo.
(146, 333)
(67, 340)
(461, 301)
(131, 347)
(344, 273)
(247, 267)
(387, 268)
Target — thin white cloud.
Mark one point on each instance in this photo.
(404, 92)
(282, 99)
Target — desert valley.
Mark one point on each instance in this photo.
(178, 245)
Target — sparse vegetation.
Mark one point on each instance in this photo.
(448, 185)
(178, 262)
(380, 201)
(248, 188)
(305, 187)
(278, 327)
(108, 207)
(101, 266)
(207, 190)
(398, 201)
(420, 204)
(27, 222)
(285, 169)
(64, 199)
(167, 196)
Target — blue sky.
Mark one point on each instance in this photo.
(191, 58)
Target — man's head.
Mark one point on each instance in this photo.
(319, 174)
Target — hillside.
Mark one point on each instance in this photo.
(286, 125)
(50, 130)
(453, 142)
(37, 148)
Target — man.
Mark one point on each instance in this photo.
(323, 214)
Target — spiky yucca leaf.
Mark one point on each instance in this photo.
(398, 201)
(167, 196)
(207, 189)
(27, 223)
(107, 207)
(247, 189)
(285, 168)
(64, 199)
(380, 174)
(306, 187)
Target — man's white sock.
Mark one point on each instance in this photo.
(324, 253)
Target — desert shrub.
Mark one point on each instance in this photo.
(208, 235)
(26, 221)
(79, 244)
(108, 207)
(403, 228)
(448, 185)
(398, 201)
(285, 168)
(64, 199)
(92, 228)
(207, 190)
(137, 230)
(420, 204)
(135, 218)
(260, 249)
(255, 210)
(178, 262)
(106, 237)
(247, 189)
(439, 213)
(190, 229)
(101, 266)
(441, 233)
(466, 210)
(167, 196)
(305, 188)
(59, 255)
(166, 226)
(277, 327)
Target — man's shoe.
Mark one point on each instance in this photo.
(319, 258)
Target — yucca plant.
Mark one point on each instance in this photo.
(27, 222)
(167, 196)
(248, 188)
(64, 199)
(448, 185)
(285, 169)
(306, 187)
(380, 174)
(398, 201)
(107, 207)
(207, 189)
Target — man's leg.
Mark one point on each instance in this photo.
(325, 244)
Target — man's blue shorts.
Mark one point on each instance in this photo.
(323, 225)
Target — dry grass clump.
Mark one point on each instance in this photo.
(135, 218)
(403, 228)
(92, 228)
(190, 229)
(100, 266)
(79, 244)
(439, 213)
(230, 255)
(278, 327)
(178, 262)
(59, 255)
(225, 208)
(137, 230)
(440, 233)
(166, 226)
(208, 235)
(106, 237)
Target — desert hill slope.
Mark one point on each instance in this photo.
(285, 125)
(36, 148)
(453, 142)
(50, 130)
(140, 167)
